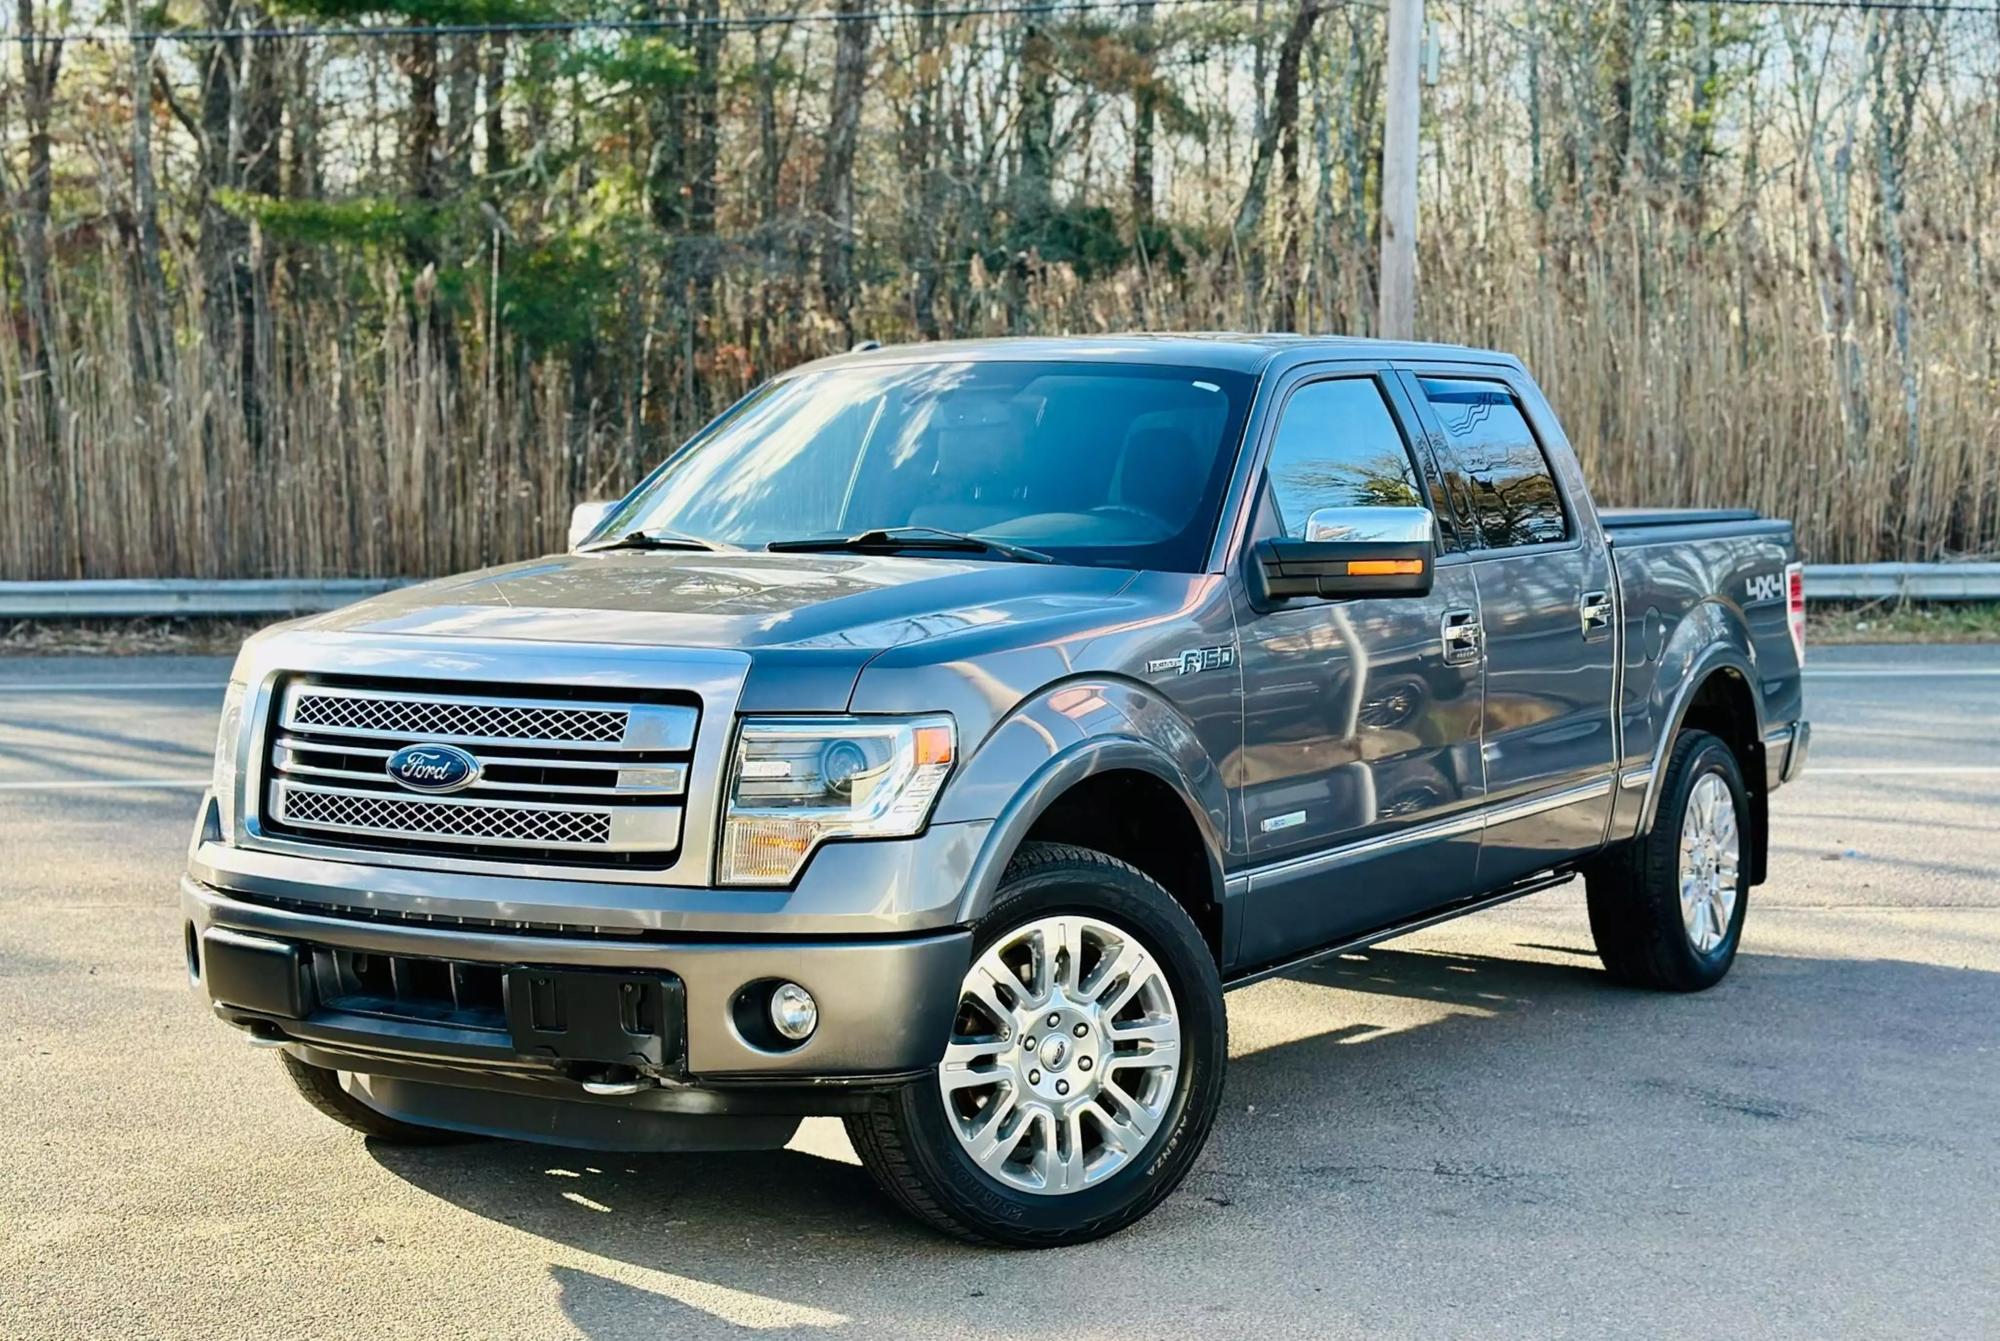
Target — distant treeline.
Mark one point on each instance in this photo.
(388, 303)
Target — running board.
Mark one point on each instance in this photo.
(1534, 884)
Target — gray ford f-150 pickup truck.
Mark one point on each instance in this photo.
(933, 739)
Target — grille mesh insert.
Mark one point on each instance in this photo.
(471, 823)
(489, 721)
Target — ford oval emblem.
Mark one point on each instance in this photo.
(433, 768)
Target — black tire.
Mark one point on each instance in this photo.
(904, 1140)
(322, 1089)
(1634, 895)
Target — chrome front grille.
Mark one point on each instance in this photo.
(352, 714)
(567, 782)
(468, 821)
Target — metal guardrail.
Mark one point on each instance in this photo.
(186, 596)
(295, 596)
(1903, 581)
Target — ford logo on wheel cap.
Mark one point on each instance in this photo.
(433, 768)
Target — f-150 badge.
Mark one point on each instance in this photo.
(1194, 660)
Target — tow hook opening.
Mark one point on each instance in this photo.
(609, 1081)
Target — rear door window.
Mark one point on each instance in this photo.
(1492, 464)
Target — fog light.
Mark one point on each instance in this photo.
(794, 1013)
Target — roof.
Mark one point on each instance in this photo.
(1194, 349)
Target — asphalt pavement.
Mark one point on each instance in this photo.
(1468, 1132)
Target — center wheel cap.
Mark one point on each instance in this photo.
(1055, 1053)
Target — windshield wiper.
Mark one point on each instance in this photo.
(652, 540)
(893, 538)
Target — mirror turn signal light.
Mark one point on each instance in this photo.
(1384, 567)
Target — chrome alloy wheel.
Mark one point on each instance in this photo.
(1063, 1056)
(1711, 852)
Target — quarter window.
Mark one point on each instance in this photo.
(1493, 466)
(1337, 447)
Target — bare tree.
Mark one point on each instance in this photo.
(836, 182)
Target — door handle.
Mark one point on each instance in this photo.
(1594, 613)
(1462, 637)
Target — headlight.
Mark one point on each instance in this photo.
(799, 781)
(227, 733)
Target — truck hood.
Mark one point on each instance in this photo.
(808, 602)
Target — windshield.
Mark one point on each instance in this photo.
(1118, 465)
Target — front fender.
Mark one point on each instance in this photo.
(1068, 732)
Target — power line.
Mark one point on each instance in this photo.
(752, 22)
(1896, 6)
(548, 27)
(1911, 7)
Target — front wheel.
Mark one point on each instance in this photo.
(1084, 1069)
(322, 1089)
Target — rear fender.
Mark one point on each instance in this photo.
(1712, 640)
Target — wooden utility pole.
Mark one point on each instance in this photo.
(1398, 317)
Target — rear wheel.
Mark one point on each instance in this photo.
(1084, 1068)
(1667, 911)
(322, 1089)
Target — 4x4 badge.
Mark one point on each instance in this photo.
(1194, 660)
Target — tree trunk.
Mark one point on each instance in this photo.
(41, 61)
(836, 181)
(461, 95)
(150, 305)
(1145, 113)
(1034, 193)
(1280, 140)
(420, 118)
(496, 97)
(707, 120)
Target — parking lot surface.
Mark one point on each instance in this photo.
(1465, 1132)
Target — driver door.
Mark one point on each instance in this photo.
(1360, 777)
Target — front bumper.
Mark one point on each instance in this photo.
(885, 1005)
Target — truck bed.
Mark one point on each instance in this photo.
(1650, 526)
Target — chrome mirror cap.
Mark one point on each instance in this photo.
(584, 517)
(1376, 525)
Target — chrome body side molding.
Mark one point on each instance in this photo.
(1317, 863)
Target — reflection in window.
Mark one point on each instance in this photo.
(1337, 447)
(1107, 463)
(1492, 464)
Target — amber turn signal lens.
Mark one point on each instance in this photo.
(1384, 567)
(934, 745)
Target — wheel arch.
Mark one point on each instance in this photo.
(1720, 697)
(1126, 797)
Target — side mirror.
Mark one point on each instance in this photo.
(1348, 552)
(584, 518)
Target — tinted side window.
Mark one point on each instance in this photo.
(1337, 447)
(1493, 465)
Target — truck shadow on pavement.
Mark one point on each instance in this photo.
(1386, 1085)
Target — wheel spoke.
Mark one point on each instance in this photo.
(992, 1142)
(1067, 950)
(993, 985)
(1068, 1166)
(1133, 1116)
(1145, 1031)
(1121, 992)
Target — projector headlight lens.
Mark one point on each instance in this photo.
(800, 781)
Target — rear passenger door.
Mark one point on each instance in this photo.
(1359, 779)
(1544, 579)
